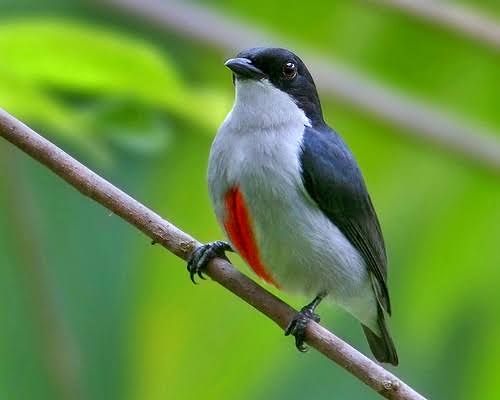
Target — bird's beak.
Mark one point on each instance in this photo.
(243, 67)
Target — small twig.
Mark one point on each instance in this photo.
(414, 119)
(458, 18)
(181, 244)
(56, 342)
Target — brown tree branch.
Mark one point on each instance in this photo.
(181, 244)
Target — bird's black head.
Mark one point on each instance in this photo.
(285, 71)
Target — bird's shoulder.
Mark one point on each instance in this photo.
(326, 158)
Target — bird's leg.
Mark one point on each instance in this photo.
(297, 326)
(203, 255)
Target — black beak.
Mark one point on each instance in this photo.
(243, 67)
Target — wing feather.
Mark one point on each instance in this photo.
(333, 180)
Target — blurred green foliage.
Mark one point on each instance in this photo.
(89, 308)
(50, 60)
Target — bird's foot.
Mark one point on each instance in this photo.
(203, 255)
(297, 326)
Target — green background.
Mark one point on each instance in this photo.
(90, 310)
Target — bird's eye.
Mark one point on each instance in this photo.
(289, 70)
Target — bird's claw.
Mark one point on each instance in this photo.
(203, 255)
(297, 326)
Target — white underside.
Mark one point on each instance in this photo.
(257, 149)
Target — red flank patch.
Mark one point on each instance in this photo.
(239, 230)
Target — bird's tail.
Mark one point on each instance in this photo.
(381, 344)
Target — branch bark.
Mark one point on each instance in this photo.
(182, 245)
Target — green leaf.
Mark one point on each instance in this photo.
(88, 60)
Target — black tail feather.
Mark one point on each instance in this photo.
(381, 346)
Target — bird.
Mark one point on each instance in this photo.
(292, 201)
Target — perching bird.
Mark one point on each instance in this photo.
(292, 200)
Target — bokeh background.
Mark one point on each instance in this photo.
(90, 310)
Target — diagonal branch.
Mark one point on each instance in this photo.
(182, 245)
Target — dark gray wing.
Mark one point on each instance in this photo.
(333, 180)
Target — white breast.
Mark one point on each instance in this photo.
(257, 149)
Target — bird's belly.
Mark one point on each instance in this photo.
(303, 251)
